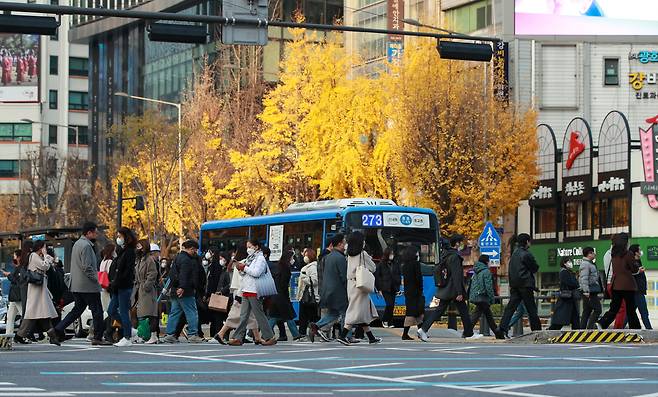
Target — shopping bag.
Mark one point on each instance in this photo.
(265, 284)
(144, 329)
(104, 280)
(218, 303)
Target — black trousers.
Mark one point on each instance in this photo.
(307, 314)
(82, 301)
(389, 298)
(518, 295)
(216, 321)
(462, 308)
(591, 311)
(480, 309)
(615, 304)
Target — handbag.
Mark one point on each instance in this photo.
(308, 296)
(365, 280)
(265, 285)
(218, 303)
(34, 277)
(104, 280)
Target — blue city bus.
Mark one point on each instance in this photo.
(313, 224)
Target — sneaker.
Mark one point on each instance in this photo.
(598, 326)
(375, 341)
(422, 335)
(97, 342)
(21, 340)
(474, 336)
(152, 341)
(169, 339)
(324, 336)
(195, 339)
(219, 340)
(354, 340)
(343, 341)
(125, 342)
(302, 338)
(298, 338)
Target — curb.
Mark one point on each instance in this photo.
(6, 342)
(597, 337)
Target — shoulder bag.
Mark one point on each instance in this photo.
(308, 296)
(34, 277)
(265, 285)
(365, 280)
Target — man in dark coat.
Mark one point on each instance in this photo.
(522, 269)
(333, 294)
(453, 292)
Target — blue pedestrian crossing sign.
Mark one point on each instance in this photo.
(489, 243)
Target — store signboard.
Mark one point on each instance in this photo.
(649, 146)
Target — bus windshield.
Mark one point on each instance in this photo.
(419, 230)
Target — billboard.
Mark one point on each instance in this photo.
(586, 17)
(19, 63)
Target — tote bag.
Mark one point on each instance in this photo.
(265, 284)
(218, 302)
(365, 280)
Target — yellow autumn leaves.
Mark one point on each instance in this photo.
(426, 133)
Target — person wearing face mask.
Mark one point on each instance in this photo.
(591, 286)
(203, 264)
(280, 309)
(216, 270)
(145, 290)
(39, 308)
(308, 294)
(414, 299)
(566, 308)
(122, 279)
(388, 281)
(641, 281)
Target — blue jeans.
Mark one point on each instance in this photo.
(641, 303)
(119, 309)
(331, 316)
(518, 314)
(187, 305)
(291, 326)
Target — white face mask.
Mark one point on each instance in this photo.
(205, 263)
(390, 257)
(208, 255)
(306, 260)
(569, 265)
(251, 251)
(222, 262)
(163, 264)
(120, 241)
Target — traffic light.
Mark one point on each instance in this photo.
(465, 51)
(245, 34)
(177, 33)
(25, 24)
(139, 203)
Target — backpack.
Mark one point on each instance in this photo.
(441, 273)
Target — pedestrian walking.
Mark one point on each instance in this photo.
(122, 279)
(522, 269)
(107, 256)
(326, 330)
(145, 290)
(453, 291)
(280, 308)
(620, 319)
(333, 288)
(566, 308)
(217, 283)
(360, 310)
(84, 286)
(39, 307)
(387, 282)
(18, 282)
(308, 294)
(641, 281)
(481, 293)
(203, 266)
(590, 285)
(254, 267)
(184, 276)
(623, 283)
(414, 299)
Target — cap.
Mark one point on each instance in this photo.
(155, 247)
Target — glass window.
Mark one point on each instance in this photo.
(82, 134)
(470, 17)
(611, 66)
(79, 67)
(224, 239)
(52, 135)
(52, 99)
(302, 235)
(78, 100)
(9, 168)
(577, 218)
(613, 212)
(259, 232)
(53, 64)
(15, 132)
(545, 220)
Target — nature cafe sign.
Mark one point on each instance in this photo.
(649, 145)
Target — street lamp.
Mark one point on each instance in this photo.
(70, 127)
(180, 155)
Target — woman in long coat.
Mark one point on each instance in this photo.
(145, 291)
(413, 291)
(39, 310)
(566, 308)
(360, 310)
(280, 309)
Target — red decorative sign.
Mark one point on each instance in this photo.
(575, 149)
(649, 144)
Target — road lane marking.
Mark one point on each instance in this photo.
(648, 395)
(309, 350)
(296, 360)
(364, 366)
(519, 355)
(17, 388)
(494, 391)
(238, 355)
(444, 374)
(594, 360)
(370, 390)
(649, 363)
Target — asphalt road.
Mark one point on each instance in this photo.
(393, 368)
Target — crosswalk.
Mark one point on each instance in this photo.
(11, 389)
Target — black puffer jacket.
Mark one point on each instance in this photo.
(455, 286)
(184, 274)
(522, 269)
(122, 269)
(387, 276)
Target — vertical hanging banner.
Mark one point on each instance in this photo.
(501, 71)
(395, 45)
(649, 143)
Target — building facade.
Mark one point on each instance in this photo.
(43, 107)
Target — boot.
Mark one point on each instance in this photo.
(153, 340)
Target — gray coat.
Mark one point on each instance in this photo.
(334, 282)
(84, 274)
(361, 310)
(588, 275)
(146, 291)
(39, 300)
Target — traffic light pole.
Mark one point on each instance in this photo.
(169, 16)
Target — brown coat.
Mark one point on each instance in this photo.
(145, 291)
(623, 269)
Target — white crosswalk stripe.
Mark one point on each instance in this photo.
(8, 389)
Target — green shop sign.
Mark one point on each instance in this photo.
(549, 255)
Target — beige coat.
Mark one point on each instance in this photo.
(39, 299)
(146, 290)
(360, 310)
